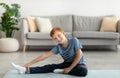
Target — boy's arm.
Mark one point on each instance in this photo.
(75, 62)
(39, 58)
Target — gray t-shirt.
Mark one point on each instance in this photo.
(68, 53)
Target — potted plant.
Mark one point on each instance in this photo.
(9, 21)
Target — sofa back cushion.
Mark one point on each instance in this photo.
(87, 23)
(44, 24)
(109, 24)
(31, 24)
(63, 21)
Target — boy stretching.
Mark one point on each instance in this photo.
(70, 50)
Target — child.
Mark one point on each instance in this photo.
(69, 49)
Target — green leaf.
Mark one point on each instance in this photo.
(10, 18)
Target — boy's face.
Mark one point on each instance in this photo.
(59, 37)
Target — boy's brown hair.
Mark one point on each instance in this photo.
(56, 29)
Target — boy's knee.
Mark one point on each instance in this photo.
(79, 72)
(83, 73)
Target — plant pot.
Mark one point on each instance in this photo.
(9, 45)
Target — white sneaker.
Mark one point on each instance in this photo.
(58, 70)
(19, 68)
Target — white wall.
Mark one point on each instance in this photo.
(57, 7)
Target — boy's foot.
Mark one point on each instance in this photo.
(19, 68)
(58, 70)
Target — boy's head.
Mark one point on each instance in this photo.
(56, 29)
(58, 35)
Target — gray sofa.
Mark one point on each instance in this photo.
(85, 28)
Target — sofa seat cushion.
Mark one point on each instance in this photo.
(41, 35)
(38, 35)
(96, 35)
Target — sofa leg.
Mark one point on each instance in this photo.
(24, 48)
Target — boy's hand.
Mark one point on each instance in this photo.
(66, 70)
(27, 65)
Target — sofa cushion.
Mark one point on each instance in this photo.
(87, 23)
(41, 35)
(62, 21)
(38, 35)
(31, 23)
(95, 34)
(44, 24)
(109, 24)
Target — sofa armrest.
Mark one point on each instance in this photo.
(25, 26)
(24, 31)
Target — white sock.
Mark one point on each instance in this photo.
(19, 68)
(58, 70)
